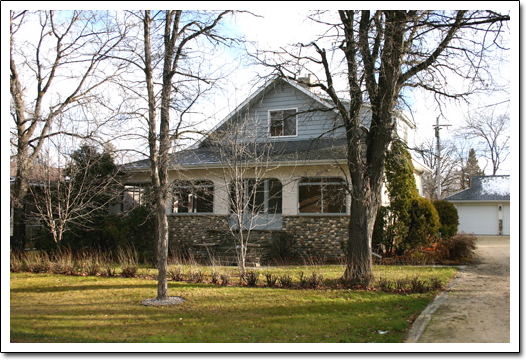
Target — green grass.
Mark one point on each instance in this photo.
(57, 308)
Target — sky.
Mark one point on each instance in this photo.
(272, 29)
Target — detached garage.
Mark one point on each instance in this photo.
(484, 208)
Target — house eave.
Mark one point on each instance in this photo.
(338, 162)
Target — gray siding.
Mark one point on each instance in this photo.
(311, 123)
(314, 119)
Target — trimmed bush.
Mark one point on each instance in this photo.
(423, 223)
(448, 215)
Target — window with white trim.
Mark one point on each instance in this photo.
(192, 197)
(283, 122)
(322, 196)
(132, 196)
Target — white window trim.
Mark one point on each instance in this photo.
(282, 136)
(212, 185)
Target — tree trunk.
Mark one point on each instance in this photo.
(162, 249)
(359, 269)
(19, 199)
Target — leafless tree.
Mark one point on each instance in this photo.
(72, 193)
(491, 131)
(450, 165)
(254, 198)
(58, 59)
(374, 56)
(169, 58)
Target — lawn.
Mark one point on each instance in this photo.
(58, 308)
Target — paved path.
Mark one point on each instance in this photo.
(477, 309)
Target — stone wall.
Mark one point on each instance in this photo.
(317, 238)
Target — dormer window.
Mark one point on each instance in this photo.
(283, 122)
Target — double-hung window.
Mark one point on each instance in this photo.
(283, 122)
(322, 196)
(193, 197)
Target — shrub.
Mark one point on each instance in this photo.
(175, 274)
(128, 261)
(89, 263)
(64, 263)
(417, 286)
(423, 223)
(225, 279)
(196, 276)
(283, 247)
(459, 247)
(271, 279)
(15, 262)
(448, 216)
(251, 278)
(215, 277)
(435, 284)
(285, 281)
(37, 262)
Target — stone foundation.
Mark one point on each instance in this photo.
(318, 237)
(305, 238)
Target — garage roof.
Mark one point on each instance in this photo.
(485, 188)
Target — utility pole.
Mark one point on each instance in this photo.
(437, 135)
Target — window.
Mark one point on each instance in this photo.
(322, 196)
(132, 196)
(264, 196)
(193, 197)
(283, 122)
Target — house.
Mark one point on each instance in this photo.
(484, 208)
(285, 147)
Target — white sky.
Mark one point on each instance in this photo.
(272, 29)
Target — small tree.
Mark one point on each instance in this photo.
(254, 198)
(470, 169)
(73, 197)
(401, 189)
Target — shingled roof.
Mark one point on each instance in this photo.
(485, 188)
(303, 151)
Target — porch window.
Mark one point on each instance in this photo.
(283, 122)
(322, 196)
(193, 197)
(261, 196)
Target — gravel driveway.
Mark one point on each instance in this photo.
(477, 309)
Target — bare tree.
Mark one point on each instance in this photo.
(254, 198)
(450, 166)
(169, 56)
(492, 132)
(56, 64)
(380, 54)
(71, 194)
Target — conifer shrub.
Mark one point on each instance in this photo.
(448, 215)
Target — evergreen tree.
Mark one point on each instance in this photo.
(469, 170)
(401, 188)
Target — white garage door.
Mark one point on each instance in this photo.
(478, 219)
(506, 220)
